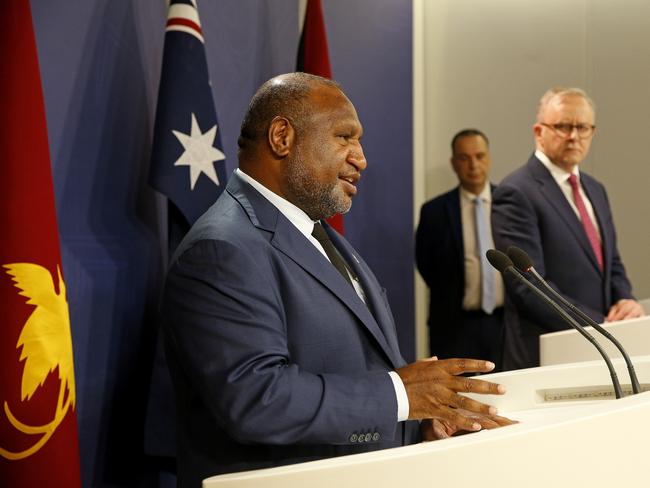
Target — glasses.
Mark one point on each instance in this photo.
(565, 130)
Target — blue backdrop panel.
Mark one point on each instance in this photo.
(100, 65)
(371, 53)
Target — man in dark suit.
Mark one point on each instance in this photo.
(280, 340)
(465, 311)
(561, 217)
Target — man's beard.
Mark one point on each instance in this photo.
(318, 200)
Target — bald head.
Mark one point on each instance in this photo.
(301, 139)
(284, 95)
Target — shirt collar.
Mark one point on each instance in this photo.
(295, 215)
(559, 175)
(485, 195)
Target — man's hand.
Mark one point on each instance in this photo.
(436, 429)
(432, 388)
(625, 309)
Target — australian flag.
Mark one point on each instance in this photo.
(188, 166)
(188, 163)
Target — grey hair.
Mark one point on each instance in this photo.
(563, 92)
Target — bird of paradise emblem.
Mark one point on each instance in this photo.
(46, 344)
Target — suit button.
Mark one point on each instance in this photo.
(368, 437)
(353, 438)
(362, 438)
(375, 436)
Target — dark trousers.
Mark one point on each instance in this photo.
(477, 335)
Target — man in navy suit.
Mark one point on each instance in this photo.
(561, 217)
(448, 256)
(280, 341)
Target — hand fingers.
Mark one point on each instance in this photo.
(631, 309)
(614, 313)
(457, 421)
(430, 387)
(471, 405)
(473, 385)
(503, 421)
(486, 422)
(442, 419)
(491, 421)
(439, 429)
(442, 428)
(436, 429)
(624, 309)
(458, 366)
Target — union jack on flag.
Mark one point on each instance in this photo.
(187, 163)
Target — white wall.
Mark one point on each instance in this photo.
(484, 64)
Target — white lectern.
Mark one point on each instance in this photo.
(571, 433)
(568, 346)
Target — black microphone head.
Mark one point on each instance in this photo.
(520, 258)
(498, 260)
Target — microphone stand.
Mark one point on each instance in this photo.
(523, 262)
(505, 265)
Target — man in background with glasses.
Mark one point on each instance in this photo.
(561, 217)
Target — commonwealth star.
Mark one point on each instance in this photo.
(200, 154)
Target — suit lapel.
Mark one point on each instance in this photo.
(288, 240)
(379, 321)
(554, 196)
(294, 245)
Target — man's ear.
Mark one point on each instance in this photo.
(281, 136)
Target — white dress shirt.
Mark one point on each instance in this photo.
(472, 261)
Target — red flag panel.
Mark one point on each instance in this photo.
(38, 428)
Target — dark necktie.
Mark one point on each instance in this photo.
(335, 258)
(587, 223)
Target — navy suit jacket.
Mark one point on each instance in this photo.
(274, 357)
(440, 258)
(530, 211)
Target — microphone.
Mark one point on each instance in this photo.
(523, 262)
(505, 265)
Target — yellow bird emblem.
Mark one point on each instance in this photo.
(46, 344)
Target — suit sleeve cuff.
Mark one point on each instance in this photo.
(402, 398)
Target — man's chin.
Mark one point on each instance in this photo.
(343, 203)
(340, 211)
(571, 162)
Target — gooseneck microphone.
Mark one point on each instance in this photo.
(523, 263)
(505, 265)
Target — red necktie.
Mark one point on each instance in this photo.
(590, 228)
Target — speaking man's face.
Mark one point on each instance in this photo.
(327, 161)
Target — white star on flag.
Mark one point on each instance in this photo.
(199, 153)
